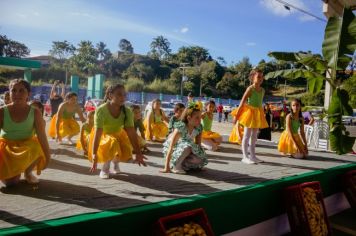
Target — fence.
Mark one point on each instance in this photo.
(43, 92)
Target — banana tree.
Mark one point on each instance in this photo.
(338, 47)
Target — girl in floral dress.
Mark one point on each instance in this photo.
(182, 150)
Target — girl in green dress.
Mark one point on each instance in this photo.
(182, 150)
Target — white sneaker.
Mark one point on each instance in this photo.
(247, 161)
(255, 159)
(178, 171)
(31, 179)
(116, 168)
(104, 175)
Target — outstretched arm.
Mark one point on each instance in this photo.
(41, 135)
(51, 96)
(63, 90)
(97, 136)
(175, 137)
(131, 133)
(243, 100)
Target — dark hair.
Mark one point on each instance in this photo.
(135, 107)
(38, 104)
(110, 90)
(190, 94)
(178, 106)
(188, 112)
(25, 83)
(210, 102)
(70, 95)
(253, 72)
(300, 115)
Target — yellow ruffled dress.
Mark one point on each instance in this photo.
(236, 130)
(286, 144)
(207, 123)
(86, 133)
(158, 127)
(19, 147)
(252, 114)
(68, 126)
(114, 143)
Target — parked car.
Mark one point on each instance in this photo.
(167, 107)
(349, 120)
(92, 104)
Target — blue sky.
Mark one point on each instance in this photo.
(228, 28)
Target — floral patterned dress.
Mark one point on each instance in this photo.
(186, 141)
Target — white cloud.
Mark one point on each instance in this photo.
(250, 44)
(279, 9)
(184, 30)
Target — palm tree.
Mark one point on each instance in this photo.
(160, 48)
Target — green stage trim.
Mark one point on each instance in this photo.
(17, 63)
(227, 211)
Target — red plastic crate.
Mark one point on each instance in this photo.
(297, 209)
(197, 216)
(349, 186)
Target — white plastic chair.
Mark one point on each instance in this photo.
(321, 135)
(308, 130)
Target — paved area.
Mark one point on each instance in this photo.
(67, 188)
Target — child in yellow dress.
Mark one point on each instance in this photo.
(107, 143)
(210, 140)
(83, 141)
(156, 123)
(237, 131)
(63, 124)
(20, 150)
(291, 142)
(250, 114)
(138, 124)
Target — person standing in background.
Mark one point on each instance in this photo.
(219, 109)
(56, 99)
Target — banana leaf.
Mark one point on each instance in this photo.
(340, 40)
(340, 141)
(315, 80)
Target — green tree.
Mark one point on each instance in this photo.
(160, 48)
(243, 69)
(103, 52)
(85, 60)
(194, 55)
(126, 46)
(62, 50)
(11, 48)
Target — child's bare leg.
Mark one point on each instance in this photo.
(29, 176)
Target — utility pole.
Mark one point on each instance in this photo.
(183, 66)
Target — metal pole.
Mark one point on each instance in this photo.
(183, 66)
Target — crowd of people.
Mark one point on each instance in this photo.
(114, 133)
